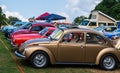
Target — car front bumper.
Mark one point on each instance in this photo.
(19, 55)
(13, 45)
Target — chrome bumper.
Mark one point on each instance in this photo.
(19, 55)
(8, 39)
(13, 45)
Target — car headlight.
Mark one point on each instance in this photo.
(13, 39)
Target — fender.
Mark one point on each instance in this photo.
(103, 52)
(31, 49)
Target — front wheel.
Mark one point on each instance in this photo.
(108, 62)
(39, 59)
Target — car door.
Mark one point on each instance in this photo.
(94, 44)
(70, 49)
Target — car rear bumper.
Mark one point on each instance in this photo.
(19, 55)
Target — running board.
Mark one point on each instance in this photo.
(67, 63)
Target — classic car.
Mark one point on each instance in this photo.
(25, 26)
(113, 35)
(9, 26)
(6, 29)
(83, 46)
(104, 29)
(18, 39)
(33, 28)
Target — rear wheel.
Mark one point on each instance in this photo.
(108, 62)
(39, 59)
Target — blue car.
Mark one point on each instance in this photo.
(7, 29)
(115, 33)
(105, 29)
(17, 24)
(25, 26)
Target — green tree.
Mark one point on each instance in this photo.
(77, 20)
(2, 18)
(110, 7)
(11, 18)
(115, 11)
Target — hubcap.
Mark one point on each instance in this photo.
(39, 60)
(108, 62)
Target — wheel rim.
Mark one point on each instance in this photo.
(109, 62)
(39, 60)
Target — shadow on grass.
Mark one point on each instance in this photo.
(27, 63)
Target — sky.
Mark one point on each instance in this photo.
(24, 9)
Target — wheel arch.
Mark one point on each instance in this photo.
(107, 51)
(29, 52)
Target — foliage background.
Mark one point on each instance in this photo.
(109, 7)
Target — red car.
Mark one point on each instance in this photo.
(18, 39)
(34, 28)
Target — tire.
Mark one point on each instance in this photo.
(39, 59)
(108, 62)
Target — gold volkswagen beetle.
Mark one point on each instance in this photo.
(71, 46)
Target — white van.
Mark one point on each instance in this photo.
(89, 23)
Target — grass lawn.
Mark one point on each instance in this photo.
(9, 65)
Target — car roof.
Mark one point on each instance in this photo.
(73, 28)
(50, 28)
(80, 29)
(41, 23)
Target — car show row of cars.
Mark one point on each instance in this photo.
(42, 44)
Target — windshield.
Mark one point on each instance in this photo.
(56, 34)
(84, 23)
(99, 28)
(26, 26)
(42, 32)
(18, 24)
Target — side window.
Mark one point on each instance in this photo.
(73, 38)
(27, 26)
(36, 28)
(17, 25)
(102, 24)
(110, 24)
(94, 39)
(92, 24)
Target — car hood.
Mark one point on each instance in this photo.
(15, 29)
(22, 31)
(7, 27)
(27, 35)
(34, 41)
